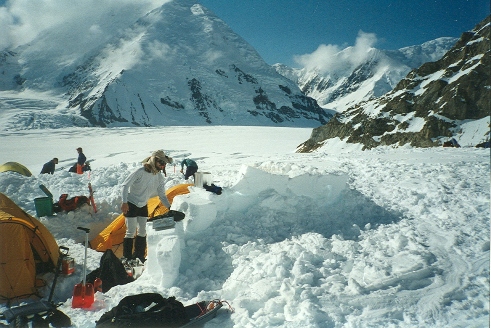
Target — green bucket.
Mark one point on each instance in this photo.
(44, 206)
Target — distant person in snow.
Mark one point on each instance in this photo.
(85, 168)
(81, 160)
(49, 167)
(191, 167)
(451, 143)
(141, 185)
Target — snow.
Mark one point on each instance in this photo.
(336, 238)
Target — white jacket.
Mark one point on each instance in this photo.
(141, 185)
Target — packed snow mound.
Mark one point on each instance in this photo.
(338, 238)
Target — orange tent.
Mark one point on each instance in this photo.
(28, 249)
(15, 167)
(112, 236)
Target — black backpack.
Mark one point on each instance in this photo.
(145, 310)
(214, 189)
(111, 271)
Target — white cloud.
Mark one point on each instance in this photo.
(6, 20)
(330, 58)
(158, 50)
(23, 20)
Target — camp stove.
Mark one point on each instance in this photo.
(134, 268)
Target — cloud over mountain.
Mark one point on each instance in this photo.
(331, 58)
(176, 65)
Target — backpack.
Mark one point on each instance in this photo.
(145, 310)
(111, 271)
(65, 204)
(214, 189)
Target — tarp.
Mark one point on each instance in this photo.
(28, 249)
(112, 236)
(15, 167)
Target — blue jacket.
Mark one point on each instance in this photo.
(81, 159)
(48, 167)
(188, 162)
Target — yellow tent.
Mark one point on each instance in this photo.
(28, 249)
(15, 167)
(112, 236)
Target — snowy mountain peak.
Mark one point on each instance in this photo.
(359, 73)
(176, 65)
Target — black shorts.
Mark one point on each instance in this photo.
(134, 211)
(190, 170)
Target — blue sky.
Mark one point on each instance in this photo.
(280, 29)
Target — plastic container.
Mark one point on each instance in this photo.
(68, 265)
(202, 178)
(44, 205)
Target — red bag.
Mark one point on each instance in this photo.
(73, 203)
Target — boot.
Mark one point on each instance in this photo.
(140, 248)
(128, 248)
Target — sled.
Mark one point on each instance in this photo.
(202, 312)
(153, 310)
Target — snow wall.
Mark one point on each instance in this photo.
(276, 206)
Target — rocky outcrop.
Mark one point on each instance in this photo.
(427, 106)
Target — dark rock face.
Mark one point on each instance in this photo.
(436, 97)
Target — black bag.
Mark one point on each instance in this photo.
(176, 215)
(145, 310)
(111, 271)
(214, 189)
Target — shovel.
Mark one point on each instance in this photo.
(83, 293)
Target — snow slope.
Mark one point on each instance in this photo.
(176, 64)
(349, 76)
(335, 238)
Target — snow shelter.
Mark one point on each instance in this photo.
(28, 249)
(15, 167)
(112, 236)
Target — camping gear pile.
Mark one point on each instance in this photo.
(30, 250)
(153, 310)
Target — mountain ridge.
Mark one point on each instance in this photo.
(433, 103)
(150, 75)
(338, 88)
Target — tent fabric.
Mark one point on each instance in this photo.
(15, 167)
(112, 236)
(28, 249)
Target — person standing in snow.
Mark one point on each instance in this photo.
(143, 184)
(81, 160)
(49, 167)
(191, 167)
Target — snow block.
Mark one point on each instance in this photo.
(163, 256)
(200, 210)
(168, 252)
(318, 187)
(252, 181)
